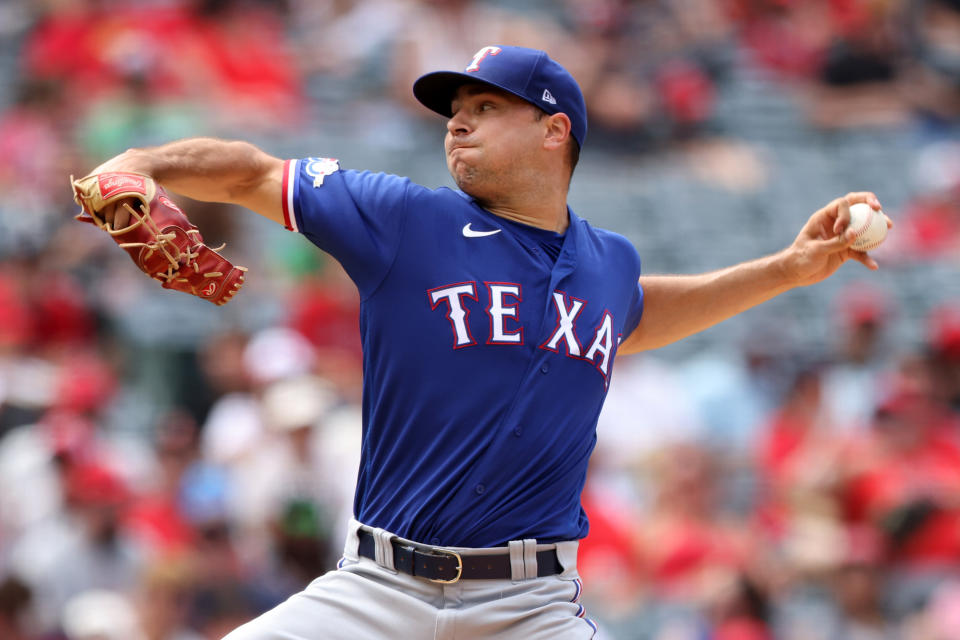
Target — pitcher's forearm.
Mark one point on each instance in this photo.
(676, 307)
(211, 170)
(679, 306)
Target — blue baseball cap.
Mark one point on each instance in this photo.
(527, 73)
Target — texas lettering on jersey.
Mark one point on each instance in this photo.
(503, 304)
(497, 379)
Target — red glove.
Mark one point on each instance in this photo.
(160, 239)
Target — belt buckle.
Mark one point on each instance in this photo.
(456, 578)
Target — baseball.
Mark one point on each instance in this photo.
(870, 226)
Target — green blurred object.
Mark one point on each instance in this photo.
(119, 122)
(301, 519)
(293, 255)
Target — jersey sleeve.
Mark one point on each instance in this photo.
(356, 217)
(634, 311)
(635, 308)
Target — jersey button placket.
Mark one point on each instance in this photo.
(479, 489)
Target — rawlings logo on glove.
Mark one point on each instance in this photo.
(159, 239)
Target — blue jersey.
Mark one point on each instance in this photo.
(485, 358)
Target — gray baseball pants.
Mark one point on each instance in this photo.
(367, 599)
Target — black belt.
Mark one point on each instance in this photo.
(447, 566)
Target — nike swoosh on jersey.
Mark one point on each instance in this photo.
(470, 233)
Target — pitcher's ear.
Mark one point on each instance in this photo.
(557, 131)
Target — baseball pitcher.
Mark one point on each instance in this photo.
(490, 317)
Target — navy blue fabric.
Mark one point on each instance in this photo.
(528, 73)
(477, 437)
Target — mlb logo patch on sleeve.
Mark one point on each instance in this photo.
(320, 168)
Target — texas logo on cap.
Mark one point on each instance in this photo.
(527, 73)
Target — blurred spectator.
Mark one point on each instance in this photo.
(340, 38)
(159, 517)
(944, 354)
(283, 487)
(686, 536)
(100, 614)
(324, 308)
(741, 610)
(852, 379)
(904, 479)
(733, 389)
(35, 154)
(83, 548)
(858, 80)
(929, 227)
(608, 559)
(221, 606)
(933, 30)
(789, 37)
(15, 601)
(435, 33)
(232, 424)
(66, 45)
(53, 430)
(797, 458)
(649, 70)
(941, 619)
(845, 55)
(286, 449)
(164, 596)
(228, 54)
(16, 328)
(692, 555)
(235, 56)
(133, 115)
(626, 440)
(859, 591)
(845, 599)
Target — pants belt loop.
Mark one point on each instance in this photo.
(529, 558)
(352, 542)
(567, 555)
(517, 572)
(384, 549)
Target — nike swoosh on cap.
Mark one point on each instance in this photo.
(470, 233)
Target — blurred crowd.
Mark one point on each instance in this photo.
(168, 471)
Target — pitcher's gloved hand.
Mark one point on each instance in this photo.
(157, 235)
